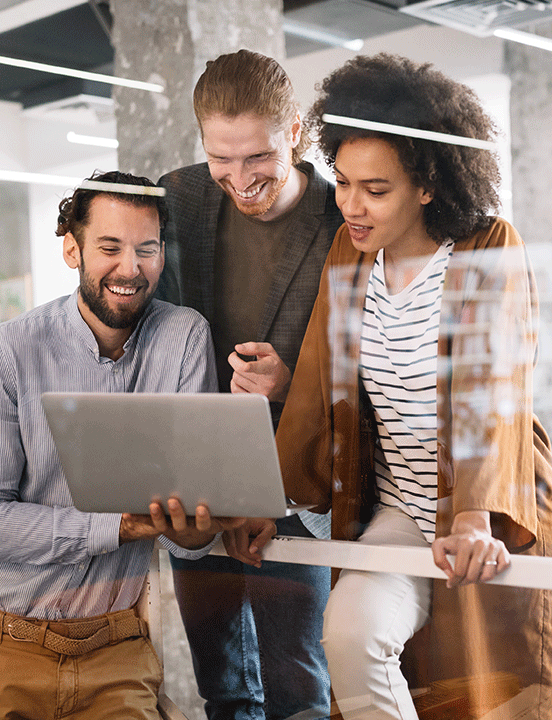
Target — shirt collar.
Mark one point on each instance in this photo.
(85, 333)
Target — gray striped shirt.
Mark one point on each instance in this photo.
(55, 561)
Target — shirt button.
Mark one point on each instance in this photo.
(81, 566)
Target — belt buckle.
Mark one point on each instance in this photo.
(17, 639)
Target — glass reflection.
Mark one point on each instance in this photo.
(488, 351)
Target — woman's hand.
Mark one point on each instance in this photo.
(479, 557)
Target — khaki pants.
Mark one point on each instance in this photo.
(118, 682)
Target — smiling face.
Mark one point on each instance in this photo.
(120, 259)
(251, 161)
(379, 202)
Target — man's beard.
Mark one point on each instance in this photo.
(123, 317)
(264, 205)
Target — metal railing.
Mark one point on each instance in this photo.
(524, 571)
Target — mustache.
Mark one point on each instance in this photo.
(127, 282)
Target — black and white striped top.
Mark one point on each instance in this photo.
(398, 365)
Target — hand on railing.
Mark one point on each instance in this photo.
(479, 557)
(524, 571)
(246, 542)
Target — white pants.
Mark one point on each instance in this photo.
(367, 621)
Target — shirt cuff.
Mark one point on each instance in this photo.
(320, 525)
(185, 553)
(104, 533)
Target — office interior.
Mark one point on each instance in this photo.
(56, 129)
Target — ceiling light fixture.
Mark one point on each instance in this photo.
(39, 178)
(82, 74)
(73, 182)
(74, 137)
(310, 33)
(122, 188)
(526, 38)
(28, 11)
(409, 132)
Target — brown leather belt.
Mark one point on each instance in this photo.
(75, 637)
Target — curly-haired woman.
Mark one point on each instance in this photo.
(410, 411)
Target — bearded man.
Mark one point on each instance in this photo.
(249, 233)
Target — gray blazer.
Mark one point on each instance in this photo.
(194, 202)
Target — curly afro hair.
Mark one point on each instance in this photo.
(392, 89)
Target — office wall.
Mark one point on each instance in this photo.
(29, 211)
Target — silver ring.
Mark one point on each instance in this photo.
(490, 562)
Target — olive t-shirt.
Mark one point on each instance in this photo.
(247, 254)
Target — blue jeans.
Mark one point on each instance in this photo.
(255, 634)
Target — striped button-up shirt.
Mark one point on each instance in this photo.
(55, 561)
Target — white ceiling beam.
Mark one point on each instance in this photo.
(28, 11)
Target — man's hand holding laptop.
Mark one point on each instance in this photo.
(197, 531)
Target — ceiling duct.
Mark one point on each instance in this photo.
(481, 17)
(83, 109)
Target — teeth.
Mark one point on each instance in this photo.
(250, 193)
(122, 290)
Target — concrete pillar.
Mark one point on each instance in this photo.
(15, 259)
(169, 42)
(530, 71)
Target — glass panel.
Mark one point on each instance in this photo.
(60, 126)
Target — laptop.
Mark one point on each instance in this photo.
(121, 450)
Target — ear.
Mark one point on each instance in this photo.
(71, 251)
(296, 131)
(162, 256)
(426, 196)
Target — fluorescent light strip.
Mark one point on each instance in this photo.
(409, 132)
(526, 38)
(82, 74)
(27, 11)
(68, 181)
(120, 188)
(39, 178)
(92, 140)
(320, 36)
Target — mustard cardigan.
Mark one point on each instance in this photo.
(493, 454)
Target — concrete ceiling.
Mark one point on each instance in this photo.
(44, 31)
(76, 34)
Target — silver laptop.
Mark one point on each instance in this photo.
(121, 450)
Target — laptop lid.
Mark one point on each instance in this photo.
(121, 450)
